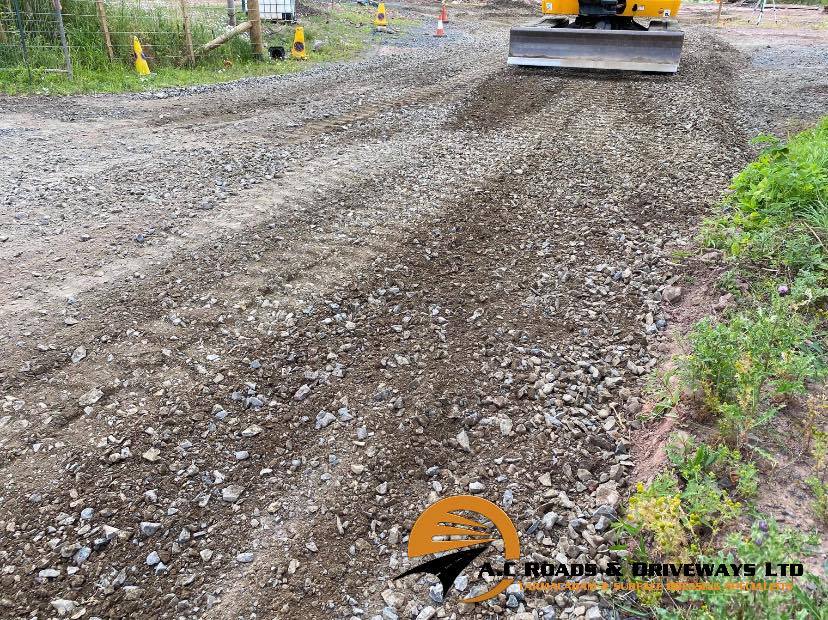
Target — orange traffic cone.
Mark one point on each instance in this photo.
(441, 32)
(444, 14)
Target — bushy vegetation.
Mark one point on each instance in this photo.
(743, 365)
(744, 368)
(671, 518)
(774, 226)
(777, 212)
(766, 542)
(678, 518)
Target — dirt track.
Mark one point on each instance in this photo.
(312, 292)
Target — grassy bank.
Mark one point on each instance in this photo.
(338, 34)
(744, 375)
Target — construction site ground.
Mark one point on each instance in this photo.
(249, 331)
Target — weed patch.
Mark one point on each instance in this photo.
(743, 365)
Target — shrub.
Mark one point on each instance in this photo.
(741, 364)
(655, 514)
(766, 543)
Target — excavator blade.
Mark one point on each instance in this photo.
(630, 50)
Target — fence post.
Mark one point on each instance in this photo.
(231, 12)
(22, 32)
(256, 29)
(188, 36)
(63, 42)
(105, 29)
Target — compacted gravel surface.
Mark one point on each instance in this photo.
(249, 332)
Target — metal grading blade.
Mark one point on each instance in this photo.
(630, 50)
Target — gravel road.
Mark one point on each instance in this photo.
(250, 331)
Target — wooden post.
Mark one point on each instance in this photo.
(63, 42)
(719, 14)
(188, 36)
(255, 29)
(231, 12)
(105, 30)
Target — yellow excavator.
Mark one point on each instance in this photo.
(630, 35)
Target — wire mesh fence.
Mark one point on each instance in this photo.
(99, 33)
(29, 35)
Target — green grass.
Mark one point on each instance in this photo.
(345, 33)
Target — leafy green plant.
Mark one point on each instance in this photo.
(691, 459)
(809, 290)
(766, 543)
(778, 210)
(742, 364)
(707, 507)
(786, 181)
(655, 519)
(696, 461)
(665, 390)
(728, 282)
(747, 480)
(817, 482)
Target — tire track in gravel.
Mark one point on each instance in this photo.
(359, 176)
(64, 445)
(365, 122)
(154, 154)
